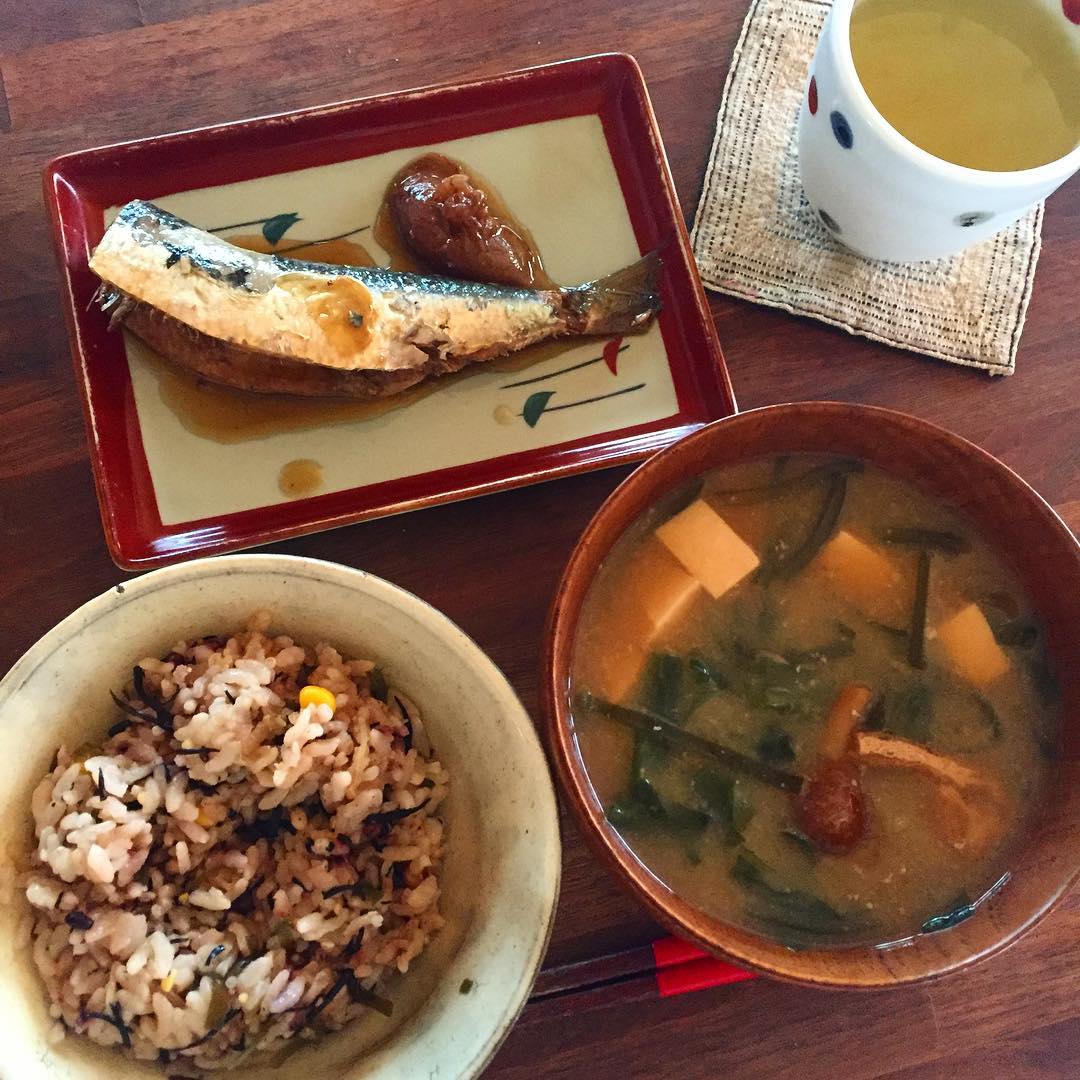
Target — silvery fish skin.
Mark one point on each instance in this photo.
(274, 324)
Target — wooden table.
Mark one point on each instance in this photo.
(76, 73)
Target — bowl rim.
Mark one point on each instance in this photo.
(550, 847)
(609, 848)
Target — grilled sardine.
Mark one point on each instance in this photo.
(277, 325)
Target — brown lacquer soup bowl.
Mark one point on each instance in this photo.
(1044, 558)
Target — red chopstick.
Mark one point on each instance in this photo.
(664, 968)
(682, 968)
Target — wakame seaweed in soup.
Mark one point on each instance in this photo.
(814, 701)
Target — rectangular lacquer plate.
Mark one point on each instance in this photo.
(184, 468)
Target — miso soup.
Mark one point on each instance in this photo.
(814, 702)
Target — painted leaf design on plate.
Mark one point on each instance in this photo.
(276, 227)
(534, 406)
(611, 354)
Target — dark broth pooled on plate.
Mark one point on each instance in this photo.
(813, 701)
(468, 220)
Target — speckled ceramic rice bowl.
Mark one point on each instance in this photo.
(246, 835)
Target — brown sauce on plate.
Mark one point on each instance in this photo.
(224, 414)
(300, 478)
(337, 252)
(386, 236)
(227, 415)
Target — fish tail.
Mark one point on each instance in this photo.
(617, 304)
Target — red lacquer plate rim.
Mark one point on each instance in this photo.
(81, 185)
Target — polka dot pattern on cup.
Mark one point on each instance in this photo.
(811, 95)
(828, 221)
(1072, 10)
(841, 129)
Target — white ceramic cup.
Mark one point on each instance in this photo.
(881, 195)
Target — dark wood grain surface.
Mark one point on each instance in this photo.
(76, 73)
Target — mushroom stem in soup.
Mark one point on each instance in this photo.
(831, 808)
(814, 701)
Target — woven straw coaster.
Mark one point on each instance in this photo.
(756, 236)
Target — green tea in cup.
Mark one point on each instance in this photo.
(988, 84)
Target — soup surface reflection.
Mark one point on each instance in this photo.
(814, 702)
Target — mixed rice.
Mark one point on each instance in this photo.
(230, 869)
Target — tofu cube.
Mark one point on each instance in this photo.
(864, 577)
(665, 591)
(973, 651)
(613, 671)
(617, 650)
(708, 548)
(654, 594)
